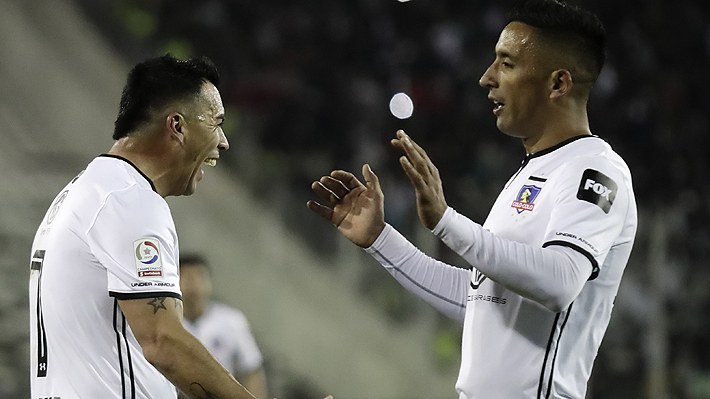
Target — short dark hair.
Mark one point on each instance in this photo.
(154, 83)
(579, 31)
(194, 259)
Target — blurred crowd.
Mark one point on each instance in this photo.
(307, 83)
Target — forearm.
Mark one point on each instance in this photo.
(442, 285)
(177, 354)
(550, 276)
(191, 368)
(255, 382)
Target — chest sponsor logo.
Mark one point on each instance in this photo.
(597, 188)
(525, 200)
(147, 258)
(478, 278)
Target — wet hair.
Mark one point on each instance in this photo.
(574, 30)
(154, 83)
(194, 259)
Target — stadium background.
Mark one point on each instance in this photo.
(306, 85)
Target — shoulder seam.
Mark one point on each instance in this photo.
(104, 201)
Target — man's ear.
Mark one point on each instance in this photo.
(175, 124)
(561, 83)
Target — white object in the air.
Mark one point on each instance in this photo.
(401, 106)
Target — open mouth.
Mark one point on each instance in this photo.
(210, 161)
(497, 105)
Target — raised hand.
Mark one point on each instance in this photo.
(356, 209)
(425, 178)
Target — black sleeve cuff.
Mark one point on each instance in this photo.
(595, 265)
(142, 295)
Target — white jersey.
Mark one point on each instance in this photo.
(578, 195)
(570, 205)
(226, 334)
(107, 236)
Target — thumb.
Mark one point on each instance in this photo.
(373, 182)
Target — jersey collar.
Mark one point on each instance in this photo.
(558, 146)
(134, 166)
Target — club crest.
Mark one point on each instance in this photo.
(525, 200)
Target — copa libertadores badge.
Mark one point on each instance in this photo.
(147, 256)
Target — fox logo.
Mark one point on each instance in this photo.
(597, 188)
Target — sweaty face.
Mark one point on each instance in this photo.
(196, 289)
(517, 82)
(204, 137)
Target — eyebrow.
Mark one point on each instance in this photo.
(504, 54)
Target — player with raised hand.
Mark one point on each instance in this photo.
(547, 262)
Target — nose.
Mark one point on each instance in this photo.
(488, 78)
(223, 143)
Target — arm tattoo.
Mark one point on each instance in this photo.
(201, 392)
(157, 304)
(178, 303)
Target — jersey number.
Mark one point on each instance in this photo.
(36, 264)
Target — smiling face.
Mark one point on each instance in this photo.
(518, 83)
(203, 137)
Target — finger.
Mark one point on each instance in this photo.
(417, 156)
(412, 173)
(324, 193)
(422, 154)
(398, 141)
(321, 210)
(432, 169)
(404, 137)
(349, 180)
(334, 185)
(373, 182)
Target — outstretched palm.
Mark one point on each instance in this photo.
(357, 210)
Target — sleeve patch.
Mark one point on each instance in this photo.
(597, 188)
(148, 258)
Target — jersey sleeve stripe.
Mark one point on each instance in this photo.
(547, 354)
(554, 357)
(143, 295)
(117, 313)
(595, 264)
(128, 355)
(118, 346)
(557, 347)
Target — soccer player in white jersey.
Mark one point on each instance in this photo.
(105, 297)
(547, 262)
(223, 330)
